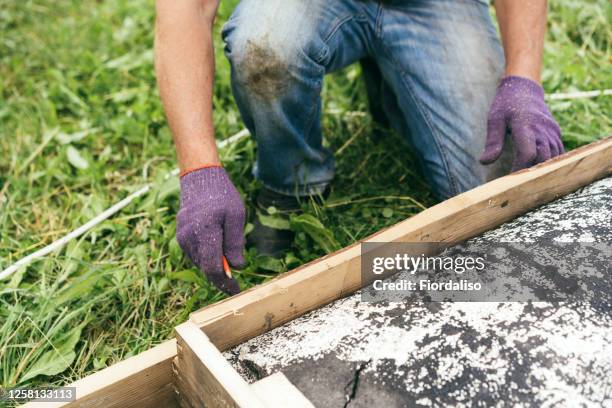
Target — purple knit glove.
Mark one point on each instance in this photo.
(519, 108)
(210, 224)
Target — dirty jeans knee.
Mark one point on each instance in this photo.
(277, 85)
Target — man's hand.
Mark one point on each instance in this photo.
(519, 108)
(210, 224)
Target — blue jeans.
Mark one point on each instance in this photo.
(440, 62)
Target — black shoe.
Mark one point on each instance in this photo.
(275, 241)
(283, 203)
(269, 241)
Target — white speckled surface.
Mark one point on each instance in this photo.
(359, 354)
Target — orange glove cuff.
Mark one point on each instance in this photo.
(191, 170)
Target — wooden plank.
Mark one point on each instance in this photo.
(181, 390)
(205, 376)
(143, 381)
(277, 391)
(235, 320)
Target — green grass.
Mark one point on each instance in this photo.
(81, 126)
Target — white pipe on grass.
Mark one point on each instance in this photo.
(106, 214)
(578, 95)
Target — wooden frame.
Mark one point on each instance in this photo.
(147, 380)
(205, 378)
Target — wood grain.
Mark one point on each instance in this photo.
(144, 380)
(205, 376)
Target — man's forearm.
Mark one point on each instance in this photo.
(522, 24)
(184, 61)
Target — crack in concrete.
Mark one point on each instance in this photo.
(253, 369)
(354, 384)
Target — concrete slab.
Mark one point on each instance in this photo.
(359, 354)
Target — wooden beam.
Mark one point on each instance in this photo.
(255, 311)
(181, 389)
(205, 377)
(277, 391)
(145, 380)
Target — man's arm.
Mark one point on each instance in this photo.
(185, 65)
(210, 222)
(519, 107)
(522, 25)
